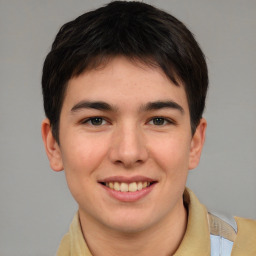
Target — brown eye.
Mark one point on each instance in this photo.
(95, 121)
(159, 121)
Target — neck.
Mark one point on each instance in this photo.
(163, 238)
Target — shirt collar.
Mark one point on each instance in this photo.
(195, 242)
(197, 237)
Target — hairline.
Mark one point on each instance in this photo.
(100, 63)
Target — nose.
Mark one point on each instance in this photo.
(128, 147)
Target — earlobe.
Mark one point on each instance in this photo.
(51, 146)
(197, 144)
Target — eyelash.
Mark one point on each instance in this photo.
(86, 121)
(165, 121)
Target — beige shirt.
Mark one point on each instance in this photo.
(196, 240)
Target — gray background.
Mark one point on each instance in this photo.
(35, 205)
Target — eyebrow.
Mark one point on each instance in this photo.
(156, 105)
(101, 105)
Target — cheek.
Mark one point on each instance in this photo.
(82, 152)
(81, 158)
(172, 154)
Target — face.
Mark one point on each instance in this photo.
(125, 145)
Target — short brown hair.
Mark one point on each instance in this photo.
(135, 30)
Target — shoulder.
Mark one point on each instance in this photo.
(245, 225)
(73, 242)
(235, 236)
(232, 234)
(223, 231)
(245, 242)
(64, 247)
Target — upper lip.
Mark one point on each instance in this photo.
(126, 179)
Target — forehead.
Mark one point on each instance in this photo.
(124, 82)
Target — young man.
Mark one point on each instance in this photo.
(124, 90)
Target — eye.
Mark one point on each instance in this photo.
(95, 121)
(159, 121)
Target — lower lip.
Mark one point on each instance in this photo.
(129, 196)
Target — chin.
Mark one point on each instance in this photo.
(129, 228)
(130, 224)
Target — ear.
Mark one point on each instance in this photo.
(197, 144)
(51, 146)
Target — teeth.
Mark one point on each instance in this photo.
(133, 187)
(116, 186)
(140, 186)
(127, 187)
(124, 187)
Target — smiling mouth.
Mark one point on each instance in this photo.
(127, 187)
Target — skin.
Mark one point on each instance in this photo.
(128, 141)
